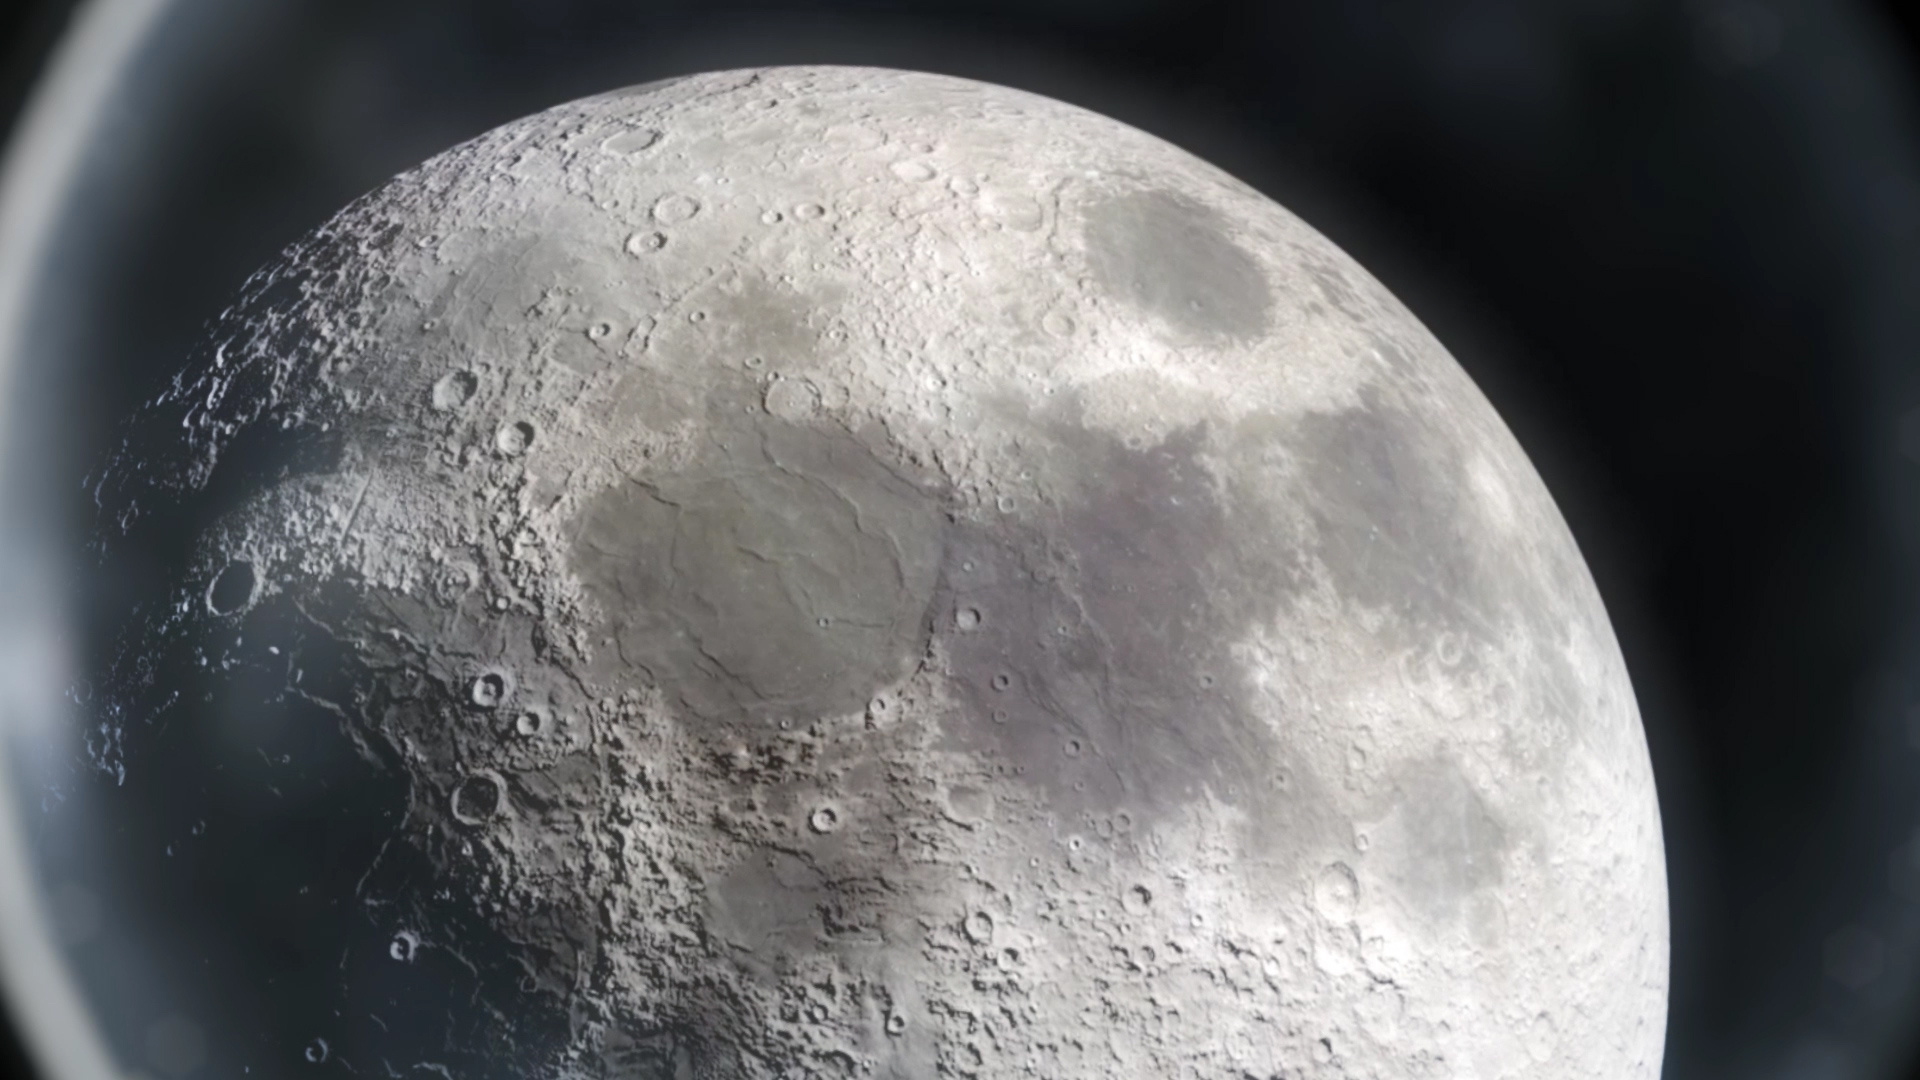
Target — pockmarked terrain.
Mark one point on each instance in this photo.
(854, 573)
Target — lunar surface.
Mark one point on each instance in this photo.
(857, 573)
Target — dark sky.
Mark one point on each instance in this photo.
(1645, 243)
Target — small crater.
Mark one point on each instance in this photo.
(896, 1023)
(489, 689)
(1002, 681)
(1542, 1039)
(600, 331)
(478, 799)
(632, 142)
(809, 212)
(967, 618)
(1014, 210)
(532, 722)
(318, 1051)
(1137, 899)
(676, 208)
(646, 243)
(824, 819)
(455, 389)
(969, 804)
(1336, 893)
(233, 588)
(514, 439)
(772, 217)
(1073, 748)
(978, 927)
(455, 581)
(404, 946)
(915, 172)
(1057, 323)
(792, 400)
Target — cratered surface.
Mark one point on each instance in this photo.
(863, 573)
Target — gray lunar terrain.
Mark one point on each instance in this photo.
(868, 574)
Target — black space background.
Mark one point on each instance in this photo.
(1648, 269)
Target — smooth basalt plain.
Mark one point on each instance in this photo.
(863, 573)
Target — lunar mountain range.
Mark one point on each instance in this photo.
(861, 573)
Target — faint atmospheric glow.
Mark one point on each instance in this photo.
(57, 126)
(1903, 869)
(176, 1045)
(1909, 443)
(1854, 956)
(1736, 33)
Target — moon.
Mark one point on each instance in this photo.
(861, 573)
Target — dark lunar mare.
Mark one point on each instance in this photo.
(782, 574)
(1090, 639)
(1168, 254)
